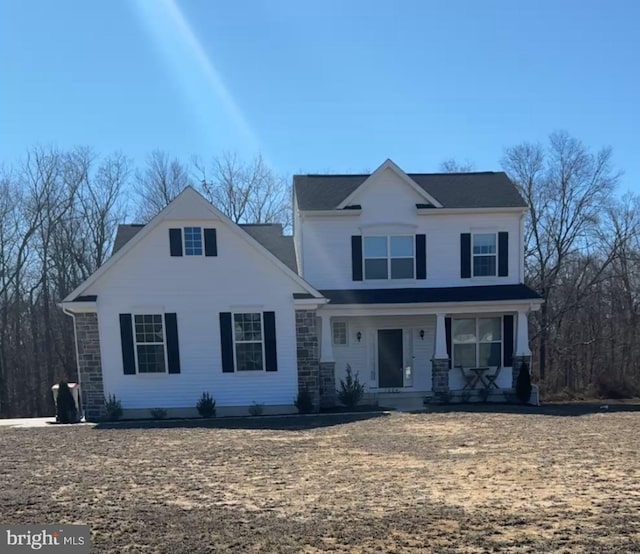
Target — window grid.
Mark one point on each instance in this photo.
(340, 333)
(193, 241)
(485, 255)
(477, 342)
(249, 343)
(389, 257)
(149, 337)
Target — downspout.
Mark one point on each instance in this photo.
(75, 340)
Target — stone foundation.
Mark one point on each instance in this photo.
(518, 361)
(327, 384)
(440, 375)
(307, 353)
(90, 365)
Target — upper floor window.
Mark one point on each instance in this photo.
(149, 341)
(389, 257)
(484, 255)
(193, 241)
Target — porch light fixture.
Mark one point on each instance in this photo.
(359, 336)
(421, 334)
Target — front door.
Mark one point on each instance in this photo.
(390, 358)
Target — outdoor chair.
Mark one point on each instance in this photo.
(491, 379)
(469, 378)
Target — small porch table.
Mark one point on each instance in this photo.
(480, 377)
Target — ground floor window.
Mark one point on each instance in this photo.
(149, 334)
(477, 342)
(249, 343)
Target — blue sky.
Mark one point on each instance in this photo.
(330, 86)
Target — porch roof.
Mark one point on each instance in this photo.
(482, 293)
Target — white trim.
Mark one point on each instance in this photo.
(388, 258)
(184, 241)
(330, 212)
(165, 215)
(388, 164)
(449, 211)
(475, 233)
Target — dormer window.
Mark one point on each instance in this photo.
(389, 257)
(193, 241)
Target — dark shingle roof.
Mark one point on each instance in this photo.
(268, 235)
(489, 293)
(453, 190)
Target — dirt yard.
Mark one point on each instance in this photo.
(436, 482)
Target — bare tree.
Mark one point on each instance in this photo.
(452, 165)
(248, 192)
(159, 183)
(568, 189)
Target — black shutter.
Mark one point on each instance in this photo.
(507, 341)
(173, 350)
(465, 255)
(421, 256)
(226, 342)
(175, 242)
(447, 330)
(503, 254)
(126, 340)
(270, 353)
(210, 242)
(356, 257)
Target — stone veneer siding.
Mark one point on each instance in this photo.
(518, 361)
(90, 365)
(307, 353)
(440, 375)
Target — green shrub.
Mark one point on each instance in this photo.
(206, 406)
(256, 409)
(66, 411)
(304, 401)
(113, 407)
(523, 384)
(158, 413)
(351, 390)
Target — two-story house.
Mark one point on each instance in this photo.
(414, 281)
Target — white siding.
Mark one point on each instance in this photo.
(363, 356)
(389, 206)
(197, 289)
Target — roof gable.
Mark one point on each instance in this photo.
(187, 203)
(388, 165)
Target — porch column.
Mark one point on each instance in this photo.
(326, 346)
(327, 364)
(522, 340)
(440, 350)
(440, 362)
(523, 353)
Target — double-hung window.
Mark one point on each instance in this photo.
(193, 241)
(477, 342)
(340, 334)
(249, 341)
(389, 257)
(150, 344)
(484, 255)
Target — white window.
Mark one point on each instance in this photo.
(389, 257)
(248, 340)
(193, 241)
(477, 342)
(484, 255)
(150, 351)
(340, 333)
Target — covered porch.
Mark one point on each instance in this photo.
(406, 354)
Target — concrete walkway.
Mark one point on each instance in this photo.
(30, 422)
